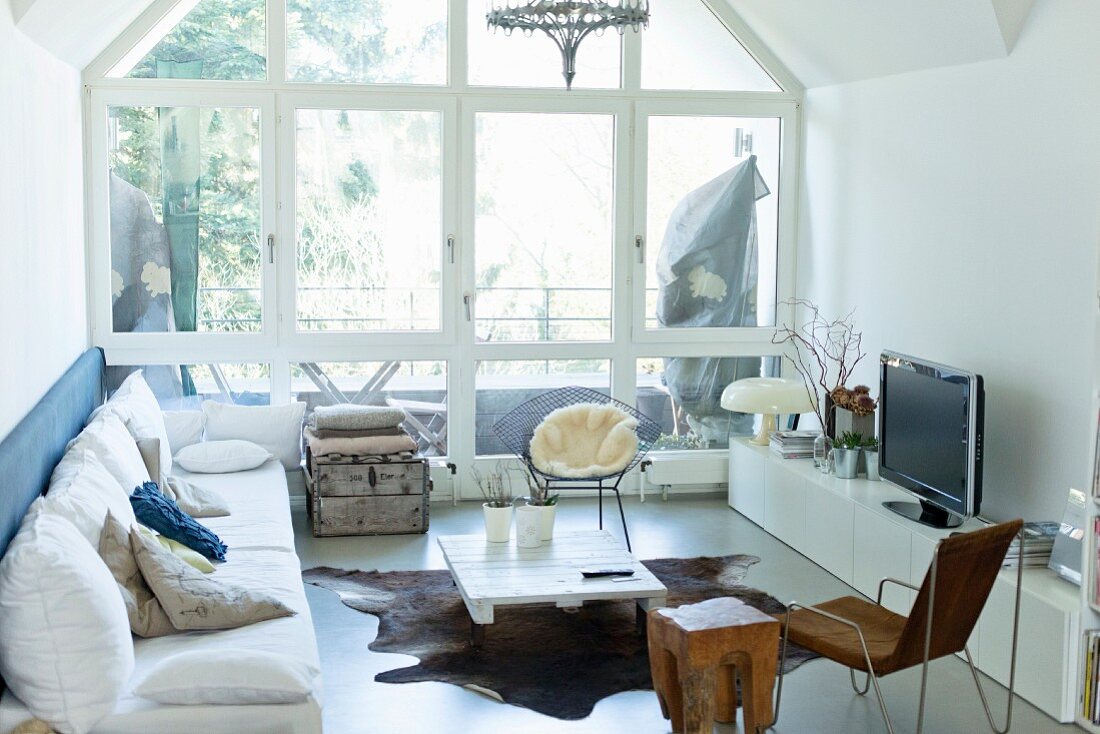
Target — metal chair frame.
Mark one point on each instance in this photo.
(872, 678)
(516, 428)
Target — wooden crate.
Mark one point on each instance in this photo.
(351, 495)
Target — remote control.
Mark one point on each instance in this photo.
(594, 573)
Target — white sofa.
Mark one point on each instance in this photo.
(261, 555)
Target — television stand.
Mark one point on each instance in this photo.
(925, 514)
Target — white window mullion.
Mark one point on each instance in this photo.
(276, 41)
(464, 366)
(458, 31)
(622, 363)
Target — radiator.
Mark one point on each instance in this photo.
(668, 471)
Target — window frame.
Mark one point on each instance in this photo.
(97, 176)
(281, 345)
(288, 105)
(787, 193)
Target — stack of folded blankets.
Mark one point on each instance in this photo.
(359, 430)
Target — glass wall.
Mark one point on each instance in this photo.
(356, 203)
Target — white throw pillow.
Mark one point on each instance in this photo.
(136, 405)
(184, 428)
(70, 664)
(82, 491)
(278, 428)
(194, 500)
(222, 457)
(116, 449)
(228, 677)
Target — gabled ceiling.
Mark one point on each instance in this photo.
(821, 42)
(825, 42)
(75, 31)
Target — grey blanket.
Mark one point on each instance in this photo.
(348, 417)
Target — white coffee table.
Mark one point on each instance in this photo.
(489, 575)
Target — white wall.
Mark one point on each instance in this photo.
(42, 305)
(958, 210)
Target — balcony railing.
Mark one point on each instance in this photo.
(552, 315)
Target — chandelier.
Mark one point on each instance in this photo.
(568, 22)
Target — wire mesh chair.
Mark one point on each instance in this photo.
(516, 428)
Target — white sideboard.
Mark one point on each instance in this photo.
(841, 525)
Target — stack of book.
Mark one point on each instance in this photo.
(1090, 700)
(1038, 543)
(793, 444)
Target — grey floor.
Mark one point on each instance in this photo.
(817, 697)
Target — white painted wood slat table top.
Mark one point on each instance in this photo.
(495, 574)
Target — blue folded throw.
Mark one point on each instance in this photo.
(161, 513)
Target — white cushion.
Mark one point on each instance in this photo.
(184, 428)
(136, 405)
(116, 449)
(222, 457)
(228, 677)
(278, 428)
(65, 644)
(194, 500)
(82, 491)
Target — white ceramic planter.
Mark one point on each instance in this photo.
(498, 523)
(548, 513)
(528, 526)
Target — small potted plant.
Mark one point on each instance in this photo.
(846, 454)
(496, 488)
(870, 453)
(547, 504)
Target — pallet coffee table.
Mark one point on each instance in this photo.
(489, 575)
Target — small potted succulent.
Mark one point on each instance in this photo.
(846, 454)
(870, 454)
(496, 488)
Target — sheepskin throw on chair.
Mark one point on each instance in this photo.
(584, 440)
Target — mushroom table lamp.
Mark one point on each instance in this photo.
(768, 396)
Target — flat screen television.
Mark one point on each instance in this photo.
(930, 438)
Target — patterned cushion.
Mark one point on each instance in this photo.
(193, 601)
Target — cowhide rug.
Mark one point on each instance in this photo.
(554, 662)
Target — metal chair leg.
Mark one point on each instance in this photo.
(866, 683)
(622, 515)
(1012, 664)
(866, 657)
(601, 505)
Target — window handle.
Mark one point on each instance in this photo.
(467, 301)
(639, 246)
(271, 249)
(451, 248)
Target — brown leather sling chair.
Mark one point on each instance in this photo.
(866, 636)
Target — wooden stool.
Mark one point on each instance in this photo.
(694, 652)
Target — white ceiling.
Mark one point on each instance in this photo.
(76, 31)
(825, 42)
(821, 42)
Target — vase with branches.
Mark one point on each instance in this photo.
(496, 488)
(824, 351)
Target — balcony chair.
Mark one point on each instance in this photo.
(516, 428)
(868, 637)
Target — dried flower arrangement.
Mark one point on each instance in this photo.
(858, 399)
(539, 493)
(825, 352)
(495, 487)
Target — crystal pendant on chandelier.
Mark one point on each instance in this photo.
(568, 22)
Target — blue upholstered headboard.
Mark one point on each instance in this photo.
(31, 451)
